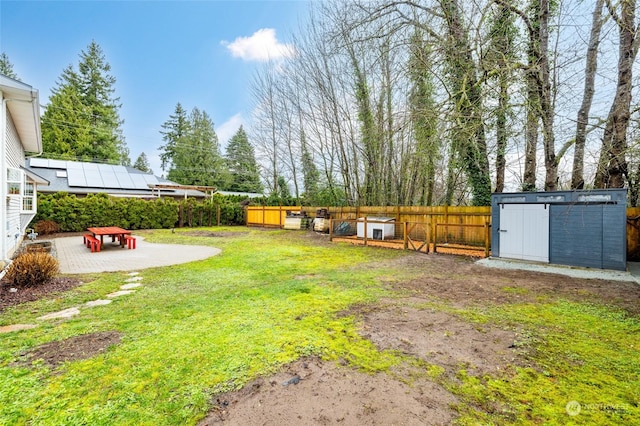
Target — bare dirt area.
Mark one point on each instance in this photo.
(460, 282)
(75, 348)
(441, 339)
(11, 296)
(311, 391)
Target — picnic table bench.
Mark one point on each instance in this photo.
(123, 236)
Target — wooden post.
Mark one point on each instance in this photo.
(365, 230)
(264, 214)
(446, 221)
(434, 232)
(218, 214)
(427, 235)
(280, 216)
(330, 229)
(487, 234)
(406, 236)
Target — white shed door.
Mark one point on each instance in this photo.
(524, 232)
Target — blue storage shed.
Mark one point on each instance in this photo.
(577, 228)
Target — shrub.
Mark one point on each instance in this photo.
(46, 227)
(32, 269)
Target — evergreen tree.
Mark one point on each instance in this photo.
(6, 67)
(196, 156)
(142, 163)
(175, 129)
(311, 176)
(242, 165)
(82, 118)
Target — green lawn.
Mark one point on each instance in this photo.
(201, 328)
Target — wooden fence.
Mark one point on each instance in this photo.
(454, 225)
(435, 225)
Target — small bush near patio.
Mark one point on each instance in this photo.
(32, 269)
(46, 227)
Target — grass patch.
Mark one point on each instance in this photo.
(578, 354)
(194, 330)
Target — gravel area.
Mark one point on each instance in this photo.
(633, 273)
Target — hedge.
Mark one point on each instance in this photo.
(74, 214)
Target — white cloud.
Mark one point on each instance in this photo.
(261, 46)
(228, 129)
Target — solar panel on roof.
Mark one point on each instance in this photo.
(57, 164)
(73, 165)
(138, 181)
(124, 180)
(109, 179)
(93, 178)
(119, 169)
(39, 162)
(76, 177)
(150, 179)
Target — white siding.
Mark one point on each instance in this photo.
(15, 152)
(15, 222)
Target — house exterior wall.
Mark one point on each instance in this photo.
(13, 228)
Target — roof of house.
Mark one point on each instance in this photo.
(23, 103)
(78, 177)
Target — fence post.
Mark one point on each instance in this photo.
(486, 238)
(218, 213)
(330, 229)
(406, 245)
(365, 230)
(427, 235)
(434, 226)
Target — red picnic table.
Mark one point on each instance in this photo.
(113, 231)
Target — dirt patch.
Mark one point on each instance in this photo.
(29, 294)
(221, 234)
(461, 283)
(75, 348)
(442, 339)
(313, 392)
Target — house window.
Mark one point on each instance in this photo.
(14, 181)
(19, 186)
(28, 197)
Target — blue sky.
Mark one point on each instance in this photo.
(199, 53)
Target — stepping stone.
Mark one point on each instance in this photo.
(133, 274)
(98, 302)
(129, 286)
(120, 293)
(67, 313)
(133, 279)
(16, 327)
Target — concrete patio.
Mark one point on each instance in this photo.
(75, 258)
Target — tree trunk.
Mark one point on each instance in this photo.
(612, 166)
(501, 133)
(577, 175)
